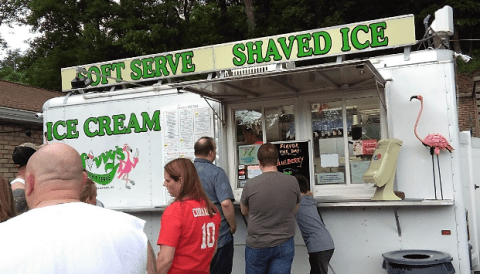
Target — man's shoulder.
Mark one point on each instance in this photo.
(203, 165)
(270, 180)
(276, 175)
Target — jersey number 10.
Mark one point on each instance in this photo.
(208, 238)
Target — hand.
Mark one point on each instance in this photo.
(233, 229)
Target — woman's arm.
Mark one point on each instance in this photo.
(165, 259)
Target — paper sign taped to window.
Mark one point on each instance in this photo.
(330, 178)
(253, 171)
(329, 160)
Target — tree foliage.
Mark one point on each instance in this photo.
(10, 68)
(76, 32)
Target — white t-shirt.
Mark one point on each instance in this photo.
(17, 180)
(73, 238)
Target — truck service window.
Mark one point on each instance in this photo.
(253, 128)
(345, 134)
(279, 123)
(249, 135)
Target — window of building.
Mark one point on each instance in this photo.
(344, 134)
(254, 127)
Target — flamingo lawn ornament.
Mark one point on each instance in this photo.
(435, 142)
(126, 166)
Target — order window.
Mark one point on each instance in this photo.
(256, 126)
(344, 134)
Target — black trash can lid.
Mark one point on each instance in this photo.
(417, 257)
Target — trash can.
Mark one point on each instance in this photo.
(417, 262)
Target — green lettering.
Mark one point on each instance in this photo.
(187, 64)
(118, 126)
(147, 68)
(86, 127)
(133, 123)
(106, 70)
(160, 66)
(94, 69)
(173, 64)
(72, 132)
(84, 158)
(152, 124)
(327, 42)
(272, 50)
(240, 58)
(104, 125)
(120, 154)
(346, 45)
(55, 130)
(287, 50)
(303, 45)
(135, 66)
(356, 44)
(377, 34)
(49, 131)
(254, 51)
(117, 67)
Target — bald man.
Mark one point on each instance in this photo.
(60, 234)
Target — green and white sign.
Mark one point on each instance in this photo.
(365, 36)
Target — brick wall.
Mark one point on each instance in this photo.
(467, 117)
(11, 135)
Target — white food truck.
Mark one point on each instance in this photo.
(127, 118)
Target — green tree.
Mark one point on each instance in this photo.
(11, 69)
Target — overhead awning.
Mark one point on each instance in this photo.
(19, 116)
(284, 83)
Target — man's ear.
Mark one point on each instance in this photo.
(212, 155)
(29, 184)
(84, 179)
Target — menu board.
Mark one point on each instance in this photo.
(294, 157)
(184, 125)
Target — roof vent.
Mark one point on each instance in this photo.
(259, 69)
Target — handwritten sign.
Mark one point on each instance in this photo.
(247, 155)
(294, 158)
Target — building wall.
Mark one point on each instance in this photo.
(11, 135)
(467, 115)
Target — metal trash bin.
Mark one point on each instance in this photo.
(417, 262)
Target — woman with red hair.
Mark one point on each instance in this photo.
(190, 225)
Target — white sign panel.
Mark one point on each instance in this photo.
(124, 144)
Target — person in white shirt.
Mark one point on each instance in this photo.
(60, 234)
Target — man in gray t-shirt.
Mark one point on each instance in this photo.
(270, 200)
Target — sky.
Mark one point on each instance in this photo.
(15, 37)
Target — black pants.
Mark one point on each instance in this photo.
(222, 262)
(319, 261)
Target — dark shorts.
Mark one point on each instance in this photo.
(319, 261)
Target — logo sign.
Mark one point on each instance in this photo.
(103, 125)
(103, 168)
(365, 36)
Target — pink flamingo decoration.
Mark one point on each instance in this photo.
(435, 142)
(126, 166)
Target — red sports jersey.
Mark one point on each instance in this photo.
(187, 226)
